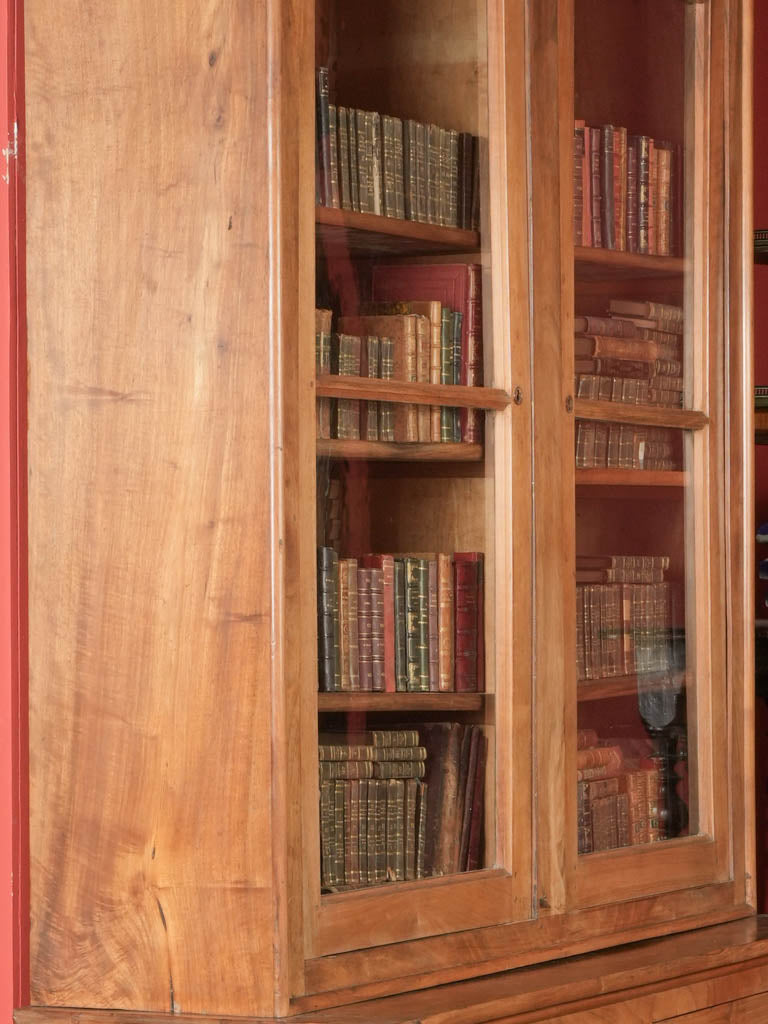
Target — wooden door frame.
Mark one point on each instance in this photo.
(14, 852)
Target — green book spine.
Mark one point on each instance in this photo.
(401, 641)
(395, 831)
(422, 174)
(423, 623)
(410, 829)
(433, 174)
(352, 833)
(421, 827)
(377, 170)
(393, 752)
(453, 179)
(327, 872)
(362, 831)
(369, 428)
(380, 787)
(364, 162)
(410, 162)
(397, 127)
(388, 162)
(398, 769)
(339, 797)
(333, 133)
(328, 617)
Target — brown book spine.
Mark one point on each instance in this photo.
(465, 180)
(445, 595)
(369, 367)
(352, 833)
(399, 769)
(346, 770)
(471, 371)
(364, 161)
(422, 173)
(397, 128)
(607, 171)
(377, 631)
(334, 144)
(365, 629)
(385, 564)
(593, 757)
(354, 181)
(653, 168)
(423, 373)
(586, 189)
(631, 202)
(634, 784)
(410, 828)
(453, 178)
(596, 192)
(620, 187)
(472, 736)
(477, 819)
(641, 144)
(388, 164)
(345, 185)
(339, 800)
(344, 672)
(664, 200)
(433, 173)
(327, 835)
(443, 743)
(410, 164)
(323, 136)
(328, 619)
(599, 346)
(395, 790)
(373, 125)
(362, 831)
(578, 183)
(604, 823)
(349, 569)
(380, 846)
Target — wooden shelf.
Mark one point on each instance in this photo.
(602, 264)
(400, 701)
(614, 686)
(367, 233)
(631, 477)
(417, 394)
(643, 415)
(392, 451)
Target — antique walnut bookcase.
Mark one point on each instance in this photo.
(531, 717)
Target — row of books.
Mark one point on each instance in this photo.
(422, 324)
(631, 354)
(375, 163)
(627, 191)
(401, 623)
(421, 819)
(625, 446)
(624, 627)
(624, 809)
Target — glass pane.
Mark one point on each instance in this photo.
(639, 358)
(405, 488)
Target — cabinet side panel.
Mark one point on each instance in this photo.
(150, 522)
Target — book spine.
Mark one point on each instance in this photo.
(620, 187)
(344, 668)
(362, 831)
(586, 189)
(386, 370)
(472, 356)
(399, 169)
(364, 162)
(346, 354)
(401, 626)
(653, 167)
(388, 162)
(328, 573)
(334, 144)
(446, 371)
(377, 168)
(476, 200)
(423, 372)
(435, 369)
(323, 366)
(380, 845)
(422, 173)
(445, 622)
(398, 769)
(365, 629)
(339, 800)
(664, 202)
(410, 163)
(578, 183)
(352, 833)
(385, 566)
(422, 570)
(444, 197)
(323, 135)
(350, 564)
(466, 624)
(596, 195)
(409, 828)
(458, 335)
(608, 219)
(453, 178)
(631, 208)
(434, 632)
(343, 149)
(327, 861)
(354, 181)
(378, 667)
(433, 174)
(395, 830)
(465, 181)
(421, 827)
(370, 366)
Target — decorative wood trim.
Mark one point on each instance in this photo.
(633, 478)
(643, 415)
(393, 452)
(609, 263)
(367, 232)
(418, 394)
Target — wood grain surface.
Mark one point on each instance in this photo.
(151, 434)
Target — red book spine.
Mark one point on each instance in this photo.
(578, 183)
(386, 564)
(475, 850)
(467, 620)
(471, 420)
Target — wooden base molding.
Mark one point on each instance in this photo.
(658, 980)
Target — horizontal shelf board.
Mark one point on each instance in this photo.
(333, 386)
(608, 263)
(614, 686)
(643, 415)
(369, 233)
(391, 451)
(400, 701)
(630, 478)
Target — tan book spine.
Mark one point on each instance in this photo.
(445, 614)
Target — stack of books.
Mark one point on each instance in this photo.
(624, 616)
(401, 804)
(401, 623)
(624, 446)
(632, 354)
(374, 163)
(627, 191)
(619, 798)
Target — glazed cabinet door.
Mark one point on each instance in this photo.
(416, 699)
(637, 374)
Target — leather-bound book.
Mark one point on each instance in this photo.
(397, 129)
(631, 203)
(365, 629)
(395, 830)
(410, 818)
(345, 361)
(378, 659)
(433, 625)
(334, 196)
(578, 182)
(322, 366)
(385, 565)
(370, 366)
(477, 819)
(596, 190)
(445, 599)
(469, 658)
(443, 743)
(401, 330)
(328, 620)
(410, 170)
(323, 135)
(401, 631)
(362, 830)
(354, 181)
(345, 185)
(607, 171)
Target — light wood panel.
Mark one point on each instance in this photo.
(371, 235)
(151, 440)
